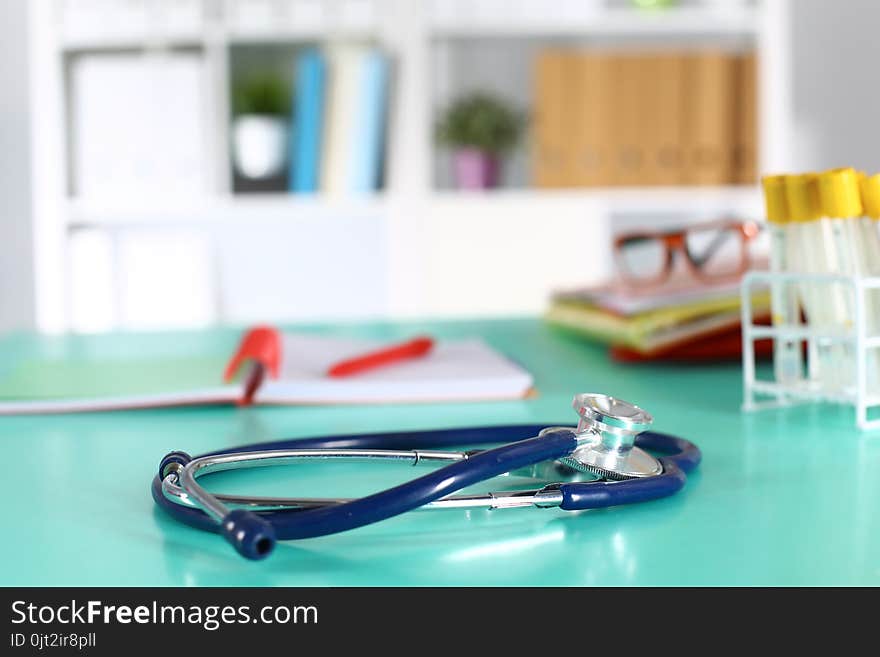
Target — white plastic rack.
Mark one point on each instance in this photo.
(760, 394)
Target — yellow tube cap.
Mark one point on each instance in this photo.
(802, 196)
(774, 199)
(870, 188)
(839, 193)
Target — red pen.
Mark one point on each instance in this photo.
(262, 346)
(415, 348)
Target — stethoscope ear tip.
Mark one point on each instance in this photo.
(250, 535)
(172, 459)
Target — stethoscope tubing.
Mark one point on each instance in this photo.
(681, 457)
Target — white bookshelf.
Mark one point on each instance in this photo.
(712, 19)
(264, 208)
(442, 252)
(738, 198)
(117, 214)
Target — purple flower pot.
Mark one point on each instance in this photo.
(475, 169)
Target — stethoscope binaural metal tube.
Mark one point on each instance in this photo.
(173, 491)
(253, 525)
(187, 476)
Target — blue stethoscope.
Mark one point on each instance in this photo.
(608, 445)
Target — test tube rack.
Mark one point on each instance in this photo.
(760, 394)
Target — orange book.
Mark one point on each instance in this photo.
(745, 164)
(660, 127)
(709, 114)
(551, 126)
(625, 117)
(592, 143)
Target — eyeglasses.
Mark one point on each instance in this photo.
(711, 251)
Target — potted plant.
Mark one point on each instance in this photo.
(480, 129)
(261, 106)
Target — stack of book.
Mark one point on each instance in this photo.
(606, 118)
(338, 127)
(679, 322)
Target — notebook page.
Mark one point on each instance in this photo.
(453, 370)
(218, 395)
(72, 383)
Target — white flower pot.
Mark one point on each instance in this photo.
(259, 145)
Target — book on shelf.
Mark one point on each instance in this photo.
(342, 100)
(307, 121)
(709, 116)
(626, 128)
(367, 149)
(746, 146)
(661, 130)
(339, 120)
(590, 142)
(553, 126)
(605, 117)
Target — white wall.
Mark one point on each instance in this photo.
(836, 93)
(17, 303)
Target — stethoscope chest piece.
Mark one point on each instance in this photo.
(606, 434)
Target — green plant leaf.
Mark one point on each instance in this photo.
(263, 93)
(481, 121)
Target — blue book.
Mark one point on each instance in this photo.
(370, 114)
(307, 122)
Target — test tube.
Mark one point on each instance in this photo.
(841, 205)
(809, 233)
(869, 186)
(869, 238)
(787, 357)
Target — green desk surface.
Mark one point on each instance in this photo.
(782, 497)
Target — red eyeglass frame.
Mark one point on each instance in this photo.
(676, 240)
